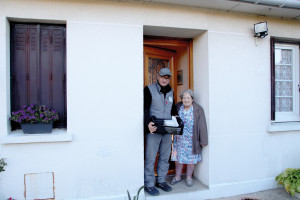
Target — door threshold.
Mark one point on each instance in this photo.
(179, 188)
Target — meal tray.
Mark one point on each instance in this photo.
(159, 123)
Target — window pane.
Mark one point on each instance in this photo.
(283, 56)
(284, 104)
(283, 72)
(283, 80)
(283, 88)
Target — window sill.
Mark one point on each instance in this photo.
(283, 126)
(18, 137)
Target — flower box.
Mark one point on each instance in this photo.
(37, 128)
(35, 118)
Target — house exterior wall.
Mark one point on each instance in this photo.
(104, 44)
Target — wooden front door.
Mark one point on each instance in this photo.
(156, 59)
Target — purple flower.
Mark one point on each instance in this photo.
(34, 113)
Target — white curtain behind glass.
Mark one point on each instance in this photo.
(283, 80)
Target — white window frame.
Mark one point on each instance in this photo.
(295, 114)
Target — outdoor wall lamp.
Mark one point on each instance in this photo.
(261, 29)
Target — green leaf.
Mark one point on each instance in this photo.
(298, 188)
(139, 192)
(292, 192)
(279, 177)
(287, 185)
(128, 195)
(286, 189)
(285, 174)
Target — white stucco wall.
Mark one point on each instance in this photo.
(105, 99)
(240, 104)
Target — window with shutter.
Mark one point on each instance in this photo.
(285, 81)
(38, 67)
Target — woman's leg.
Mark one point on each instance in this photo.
(189, 173)
(189, 170)
(178, 167)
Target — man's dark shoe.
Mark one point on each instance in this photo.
(164, 187)
(152, 191)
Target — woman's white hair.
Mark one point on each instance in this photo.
(189, 91)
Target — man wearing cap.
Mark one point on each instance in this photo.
(159, 103)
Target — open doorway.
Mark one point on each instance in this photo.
(175, 54)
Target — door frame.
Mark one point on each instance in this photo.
(168, 43)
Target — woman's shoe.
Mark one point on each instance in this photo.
(174, 181)
(189, 182)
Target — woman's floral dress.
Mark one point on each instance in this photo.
(182, 145)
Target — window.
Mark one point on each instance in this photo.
(38, 67)
(285, 81)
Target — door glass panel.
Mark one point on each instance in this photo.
(154, 65)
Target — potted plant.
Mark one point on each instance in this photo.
(2, 164)
(35, 118)
(290, 179)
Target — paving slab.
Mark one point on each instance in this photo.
(274, 194)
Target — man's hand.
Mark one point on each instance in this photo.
(151, 127)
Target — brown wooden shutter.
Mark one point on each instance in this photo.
(33, 65)
(59, 72)
(53, 70)
(38, 69)
(19, 75)
(46, 65)
(18, 68)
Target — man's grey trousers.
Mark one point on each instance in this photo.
(157, 143)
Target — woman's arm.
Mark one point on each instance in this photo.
(203, 128)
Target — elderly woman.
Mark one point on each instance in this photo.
(188, 146)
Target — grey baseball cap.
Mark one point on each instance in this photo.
(165, 72)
